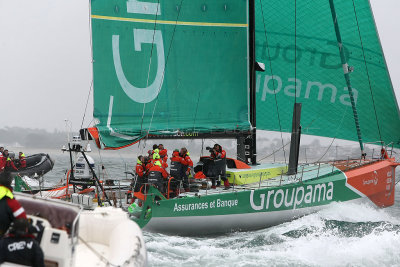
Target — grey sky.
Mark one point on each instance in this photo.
(45, 68)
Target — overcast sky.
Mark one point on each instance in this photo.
(45, 67)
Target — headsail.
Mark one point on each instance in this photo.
(317, 71)
(176, 66)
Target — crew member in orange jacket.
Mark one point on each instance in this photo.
(187, 164)
(157, 175)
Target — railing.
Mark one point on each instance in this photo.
(320, 167)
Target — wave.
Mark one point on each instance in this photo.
(342, 234)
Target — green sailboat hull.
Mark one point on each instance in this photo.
(242, 210)
(256, 207)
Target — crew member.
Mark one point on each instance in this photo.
(10, 166)
(2, 163)
(163, 152)
(157, 174)
(10, 208)
(140, 171)
(157, 157)
(20, 247)
(176, 168)
(151, 152)
(22, 160)
(1, 150)
(218, 152)
(187, 164)
(219, 156)
(148, 164)
(5, 153)
(384, 154)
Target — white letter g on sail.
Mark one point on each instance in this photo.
(149, 93)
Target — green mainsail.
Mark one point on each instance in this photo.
(176, 66)
(302, 60)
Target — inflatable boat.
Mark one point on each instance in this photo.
(36, 164)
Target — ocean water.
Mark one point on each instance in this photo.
(342, 234)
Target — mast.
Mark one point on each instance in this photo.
(252, 76)
(347, 70)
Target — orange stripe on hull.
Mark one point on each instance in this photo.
(376, 181)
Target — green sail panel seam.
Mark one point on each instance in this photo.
(170, 22)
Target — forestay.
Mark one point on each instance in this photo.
(177, 66)
(309, 68)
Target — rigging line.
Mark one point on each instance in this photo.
(151, 56)
(337, 130)
(91, 58)
(273, 152)
(295, 53)
(166, 62)
(87, 101)
(366, 68)
(195, 115)
(273, 81)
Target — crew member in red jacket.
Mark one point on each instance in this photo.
(22, 160)
(218, 152)
(157, 175)
(10, 209)
(140, 171)
(219, 156)
(163, 152)
(2, 163)
(187, 164)
(10, 166)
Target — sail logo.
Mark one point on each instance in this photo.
(273, 84)
(292, 198)
(142, 36)
(371, 181)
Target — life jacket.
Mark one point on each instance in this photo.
(5, 192)
(155, 177)
(176, 166)
(199, 175)
(156, 174)
(156, 157)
